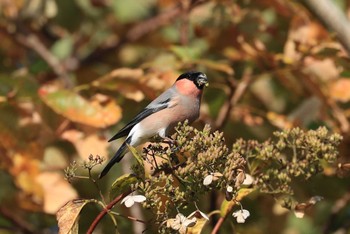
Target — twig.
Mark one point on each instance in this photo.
(31, 41)
(96, 185)
(20, 223)
(158, 21)
(143, 28)
(105, 211)
(331, 16)
(234, 97)
(129, 217)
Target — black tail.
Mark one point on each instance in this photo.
(116, 158)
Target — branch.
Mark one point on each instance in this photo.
(143, 28)
(105, 211)
(234, 97)
(31, 41)
(333, 18)
(20, 223)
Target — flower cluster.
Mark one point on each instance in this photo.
(197, 163)
(296, 154)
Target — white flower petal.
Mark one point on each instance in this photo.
(208, 179)
(190, 222)
(313, 200)
(139, 198)
(248, 180)
(240, 219)
(198, 214)
(229, 189)
(183, 230)
(204, 215)
(245, 213)
(180, 217)
(299, 213)
(241, 215)
(125, 198)
(129, 202)
(175, 225)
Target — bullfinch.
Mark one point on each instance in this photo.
(178, 103)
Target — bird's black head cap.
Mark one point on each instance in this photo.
(198, 78)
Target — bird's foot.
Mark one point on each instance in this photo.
(169, 141)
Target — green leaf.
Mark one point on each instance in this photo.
(130, 11)
(121, 184)
(63, 48)
(191, 52)
(67, 216)
(135, 154)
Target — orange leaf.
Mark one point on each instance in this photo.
(340, 90)
(76, 108)
(86, 144)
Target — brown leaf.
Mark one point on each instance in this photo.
(68, 214)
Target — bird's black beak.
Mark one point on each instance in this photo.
(202, 80)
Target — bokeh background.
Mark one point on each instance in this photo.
(72, 72)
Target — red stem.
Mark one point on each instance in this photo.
(105, 211)
(218, 225)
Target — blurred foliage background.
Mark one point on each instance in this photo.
(72, 72)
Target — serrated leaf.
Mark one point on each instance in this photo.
(78, 109)
(67, 216)
(121, 184)
(226, 206)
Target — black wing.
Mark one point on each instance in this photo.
(156, 105)
(143, 114)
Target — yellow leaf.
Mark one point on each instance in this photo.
(226, 206)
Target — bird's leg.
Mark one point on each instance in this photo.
(169, 141)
